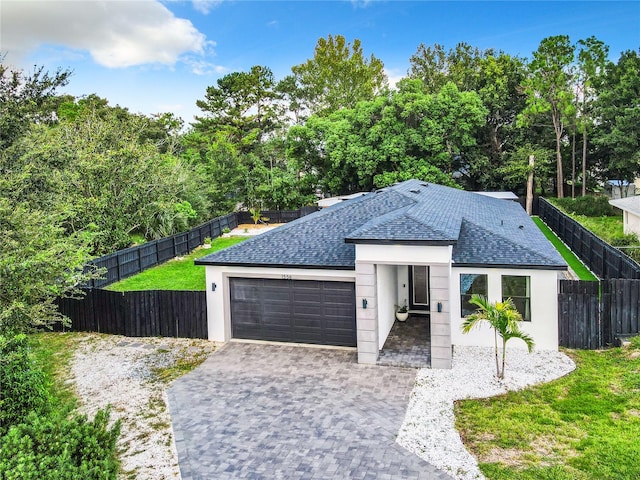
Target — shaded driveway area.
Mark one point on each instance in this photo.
(284, 412)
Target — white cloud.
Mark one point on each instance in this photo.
(205, 6)
(117, 34)
(202, 67)
(394, 76)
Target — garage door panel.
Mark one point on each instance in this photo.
(313, 298)
(271, 321)
(248, 309)
(303, 311)
(338, 310)
(272, 294)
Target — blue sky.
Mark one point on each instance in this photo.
(153, 56)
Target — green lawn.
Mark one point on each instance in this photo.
(583, 426)
(176, 274)
(574, 262)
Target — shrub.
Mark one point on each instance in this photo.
(625, 240)
(60, 448)
(589, 205)
(23, 388)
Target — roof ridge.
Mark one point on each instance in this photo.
(431, 227)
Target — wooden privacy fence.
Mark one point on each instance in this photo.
(151, 313)
(603, 259)
(130, 261)
(593, 315)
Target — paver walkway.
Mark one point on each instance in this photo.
(280, 412)
(408, 344)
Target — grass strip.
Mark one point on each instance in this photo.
(580, 427)
(574, 262)
(53, 354)
(177, 274)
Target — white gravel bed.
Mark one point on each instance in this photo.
(120, 371)
(429, 429)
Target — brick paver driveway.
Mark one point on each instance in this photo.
(280, 412)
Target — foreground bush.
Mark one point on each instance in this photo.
(23, 386)
(60, 448)
(39, 440)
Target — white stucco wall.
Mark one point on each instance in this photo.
(544, 308)
(631, 223)
(218, 311)
(386, 286)
(403, 285)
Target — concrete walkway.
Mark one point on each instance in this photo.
(280, 412)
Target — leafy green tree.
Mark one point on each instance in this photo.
(617, 110)
(436, 67)
(338, 76)
(40, 262)
(292, 97)
(496, 77)
(26, 99)
(548, 89)
(242, 105)
(101, 174)
(592, 57)
(220, 170)
(503, 318)
(403, 134)
(516, 168)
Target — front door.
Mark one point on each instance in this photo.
(419, 287)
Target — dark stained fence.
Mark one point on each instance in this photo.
(620, 309)
(130, 261)
(151, 313)
(594, 315)
(579, 323)
(133, 260)
(603, 259)
(277, 216)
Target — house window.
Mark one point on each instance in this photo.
(518, 289)
(471, 283)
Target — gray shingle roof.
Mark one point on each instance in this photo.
(630, 204)
(483, 230)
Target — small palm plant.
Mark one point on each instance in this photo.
(503, 317)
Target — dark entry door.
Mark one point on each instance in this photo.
(418, 287)
(300, 311)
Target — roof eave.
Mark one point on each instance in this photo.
(383, 241)
(511, 266)
(273, 265)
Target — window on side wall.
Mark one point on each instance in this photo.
(518, 289)
(471, 283)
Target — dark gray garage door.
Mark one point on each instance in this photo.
(304, 311)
